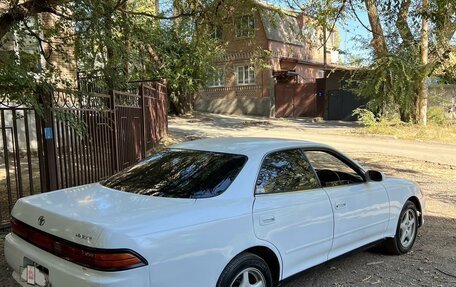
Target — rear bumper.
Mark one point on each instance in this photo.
(66, 274)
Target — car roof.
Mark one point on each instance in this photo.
(249, 146)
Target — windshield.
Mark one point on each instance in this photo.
(180, 174)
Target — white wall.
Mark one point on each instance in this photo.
(20, 121)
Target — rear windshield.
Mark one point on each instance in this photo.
(180, 174)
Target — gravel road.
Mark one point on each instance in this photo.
(337, 134)
(432, 261)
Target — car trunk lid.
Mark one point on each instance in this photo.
(81, 214)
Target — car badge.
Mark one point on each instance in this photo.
(41, 220)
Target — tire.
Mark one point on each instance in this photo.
(246, 266)
(406, 231)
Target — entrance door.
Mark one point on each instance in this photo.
(361, 208)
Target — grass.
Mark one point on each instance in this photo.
(432, 132)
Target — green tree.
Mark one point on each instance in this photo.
(410, 42)
(119, 41)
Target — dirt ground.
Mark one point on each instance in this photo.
(432, 262)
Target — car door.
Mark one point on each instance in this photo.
(361, 208)
(292, 211)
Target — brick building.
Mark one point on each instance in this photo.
(292, 52)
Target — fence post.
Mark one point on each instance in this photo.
(46, 144)
(114, 138)
(143, 121)
(162, 94)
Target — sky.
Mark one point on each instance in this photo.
(351, 31)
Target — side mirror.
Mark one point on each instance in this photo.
(374, 175)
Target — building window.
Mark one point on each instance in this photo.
(245, 75)
(217, 32)
(244, 26)
(217, 78)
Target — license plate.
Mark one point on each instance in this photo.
(34, 275)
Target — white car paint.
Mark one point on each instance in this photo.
(188, 242)
(361, 215)
(300, 225)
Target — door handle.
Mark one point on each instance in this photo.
(341, 205)
(267, 219)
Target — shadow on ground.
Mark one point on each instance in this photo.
(432, 262)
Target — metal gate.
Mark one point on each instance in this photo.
(77, 139)
(296, 100)
(341, 104)
(129, 115)
(142, 120)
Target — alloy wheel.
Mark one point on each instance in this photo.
(407, 228)
(249, 277)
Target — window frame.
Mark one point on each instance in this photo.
(250, 31)
(356, 167)
(301, 150)
(211, 82)
(248, 70)
(344, 159)
(217, 30)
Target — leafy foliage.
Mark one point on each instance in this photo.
(113, 42)
(365, 116)
(185, 62)
(390, 83)
(394, 79)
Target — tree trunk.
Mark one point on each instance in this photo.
(422, 89)
(402, 23)
(109, 70)
(378, 39)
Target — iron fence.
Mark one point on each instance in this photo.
(18, 164)
(80, 138)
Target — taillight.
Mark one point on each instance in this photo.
(94, 258)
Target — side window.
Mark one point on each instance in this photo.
(285, 171)
(332, 171)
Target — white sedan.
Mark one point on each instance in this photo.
(218, 212)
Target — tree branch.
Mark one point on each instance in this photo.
(40, 43)
(160, 17)
(339, 12)
(402, 24)
(20, 12)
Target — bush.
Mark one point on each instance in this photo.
(365, 116)
(436, 115)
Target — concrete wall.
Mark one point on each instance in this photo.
(444, 96)
(241, 105)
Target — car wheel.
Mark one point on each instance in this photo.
(406, 231)
(246, 270)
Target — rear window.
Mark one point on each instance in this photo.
(180, 174)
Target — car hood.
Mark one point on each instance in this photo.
(93, 214)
